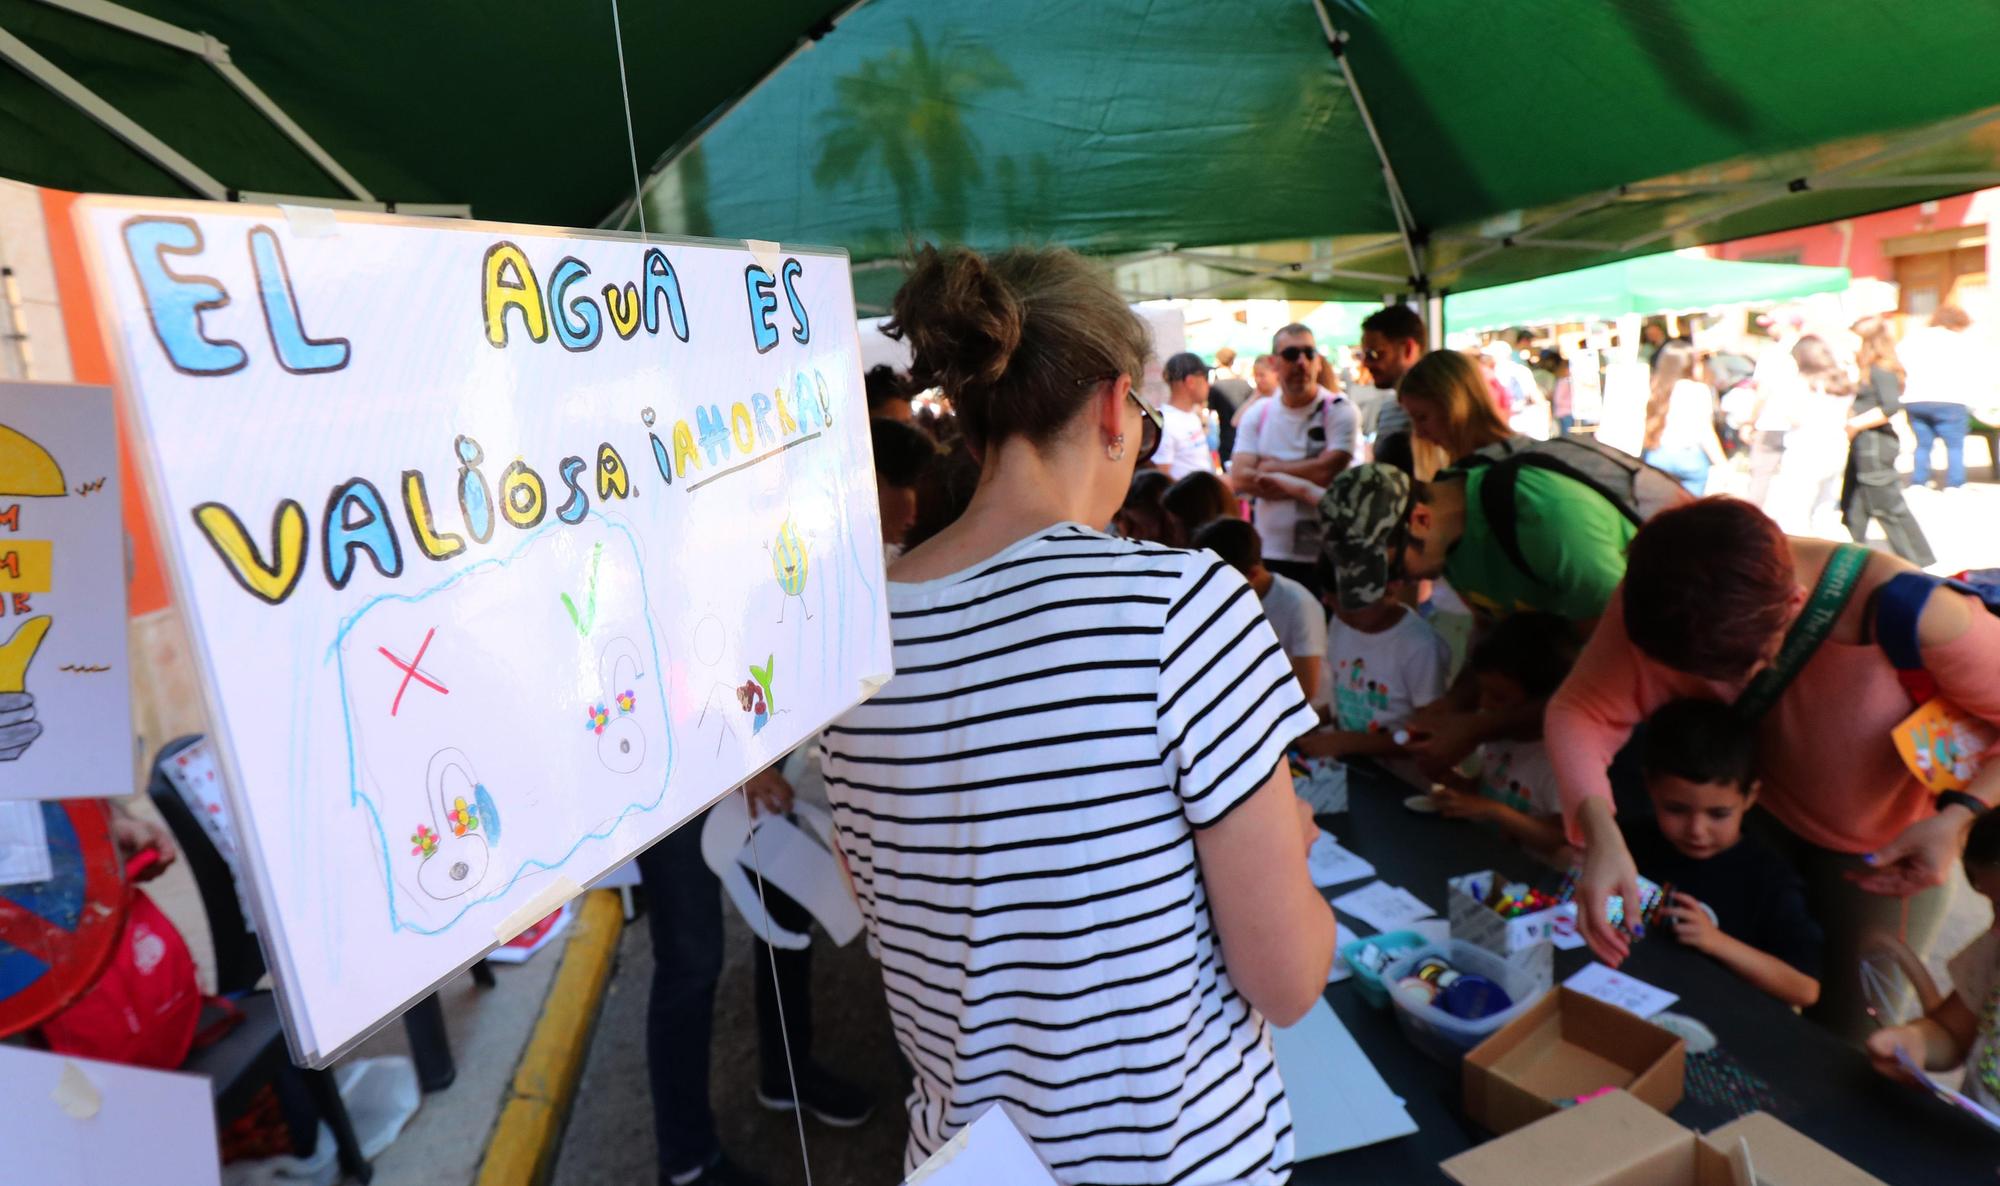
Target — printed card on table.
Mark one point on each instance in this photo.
(65, 684)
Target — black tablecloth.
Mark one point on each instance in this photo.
(1821, 1086)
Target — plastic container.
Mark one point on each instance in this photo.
(1436, 1032)
(1367, 983)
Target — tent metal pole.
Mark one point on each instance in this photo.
(414, 209)
(93, 105)
(1336, 44)
(692, 138)
(216, 54)
(1835, 177)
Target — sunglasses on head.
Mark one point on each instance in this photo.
(1294, 353)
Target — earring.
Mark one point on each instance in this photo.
(1116, 449)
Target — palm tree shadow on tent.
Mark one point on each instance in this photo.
(907, 105)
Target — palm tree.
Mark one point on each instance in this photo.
(907, 104)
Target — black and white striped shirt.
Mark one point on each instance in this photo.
(1018, 808)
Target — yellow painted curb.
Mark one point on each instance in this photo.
(522, 1148)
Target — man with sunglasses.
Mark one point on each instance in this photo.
(1392, 340)
(1288, 450)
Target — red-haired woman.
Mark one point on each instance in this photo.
(1711, 591)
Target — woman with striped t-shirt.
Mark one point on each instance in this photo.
(1068, 818)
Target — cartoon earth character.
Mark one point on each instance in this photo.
(789, 561)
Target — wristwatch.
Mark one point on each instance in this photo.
(1961, 799)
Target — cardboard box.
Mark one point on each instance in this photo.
(1569, 1045)
(1523, 941)
(1472, 919)
(1617, 1140)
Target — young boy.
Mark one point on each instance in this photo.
(1383, 661)
(1293, 612)
(1966, 1027)
(1730, 898)
(1522, 659)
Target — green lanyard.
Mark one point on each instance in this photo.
(1831, 595)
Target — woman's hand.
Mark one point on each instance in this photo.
(1921, 856)
(1607, 870)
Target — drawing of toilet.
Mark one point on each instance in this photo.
(456, 825)
(614, 719)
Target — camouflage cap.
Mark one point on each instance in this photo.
(1362, 515)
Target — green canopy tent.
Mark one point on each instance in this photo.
(1363, 146)
(1651, 284)
(1385, 145)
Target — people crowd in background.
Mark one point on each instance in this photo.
(1302, 531)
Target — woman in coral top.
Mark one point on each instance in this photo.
(1710, 591)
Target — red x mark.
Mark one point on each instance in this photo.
(410, 671)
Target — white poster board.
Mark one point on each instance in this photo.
(78, 1122)
(505, 550)
(65, 684)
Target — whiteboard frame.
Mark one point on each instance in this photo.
(305, 1049)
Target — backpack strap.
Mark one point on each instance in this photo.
(1503, 515)
(1830, 596)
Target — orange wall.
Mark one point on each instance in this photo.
(89, 364)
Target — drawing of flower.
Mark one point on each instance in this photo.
(625, 701)
(598, 719)
(462, 819)
(424, 842)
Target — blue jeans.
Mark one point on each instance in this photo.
(1939, 422)
(1688, 464)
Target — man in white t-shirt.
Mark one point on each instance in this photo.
(1296, 616)
(1306, 433)
(1184, 429)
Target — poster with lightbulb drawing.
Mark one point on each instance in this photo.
(65, 688)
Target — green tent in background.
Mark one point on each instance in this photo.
(1524, 138)
(1652, 284)
(1380, 145)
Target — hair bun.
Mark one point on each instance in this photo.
(962, 320)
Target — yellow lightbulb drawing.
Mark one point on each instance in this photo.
(17, 652)
(26, 469)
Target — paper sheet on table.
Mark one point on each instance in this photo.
(24, 844)
(986, 1152)
(1330, 864)
(1338, 1099)
(1382, 906)
(75, 1122)
(1956, 1099)
(1616, 988)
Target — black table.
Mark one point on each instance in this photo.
(1823, 1088)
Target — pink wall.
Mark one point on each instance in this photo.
(1827, 246)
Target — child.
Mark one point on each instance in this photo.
(1293, 612)
(1966, 1027)
(1522, 659)
(1383, 661)
(1729, 898)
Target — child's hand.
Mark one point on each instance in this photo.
(1882, 1047)
(1692, 925)
(1457, 804)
